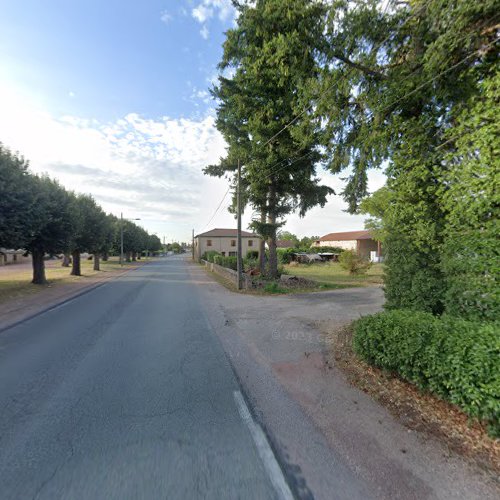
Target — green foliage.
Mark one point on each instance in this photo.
(229, 262)
(252, 254)
(90, 225)
(17, 205)
(454, 358)
(51, 226)
(376, 206)
(154, 243)
(209, 256)
(471, 200)
(354, 263)
(285, 255)
(273, 287)
(272, 52)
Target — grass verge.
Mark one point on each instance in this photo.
(331, 273)
(15, 282)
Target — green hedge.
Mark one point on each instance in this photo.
(210, 255)
(456, 359)
(229, 262)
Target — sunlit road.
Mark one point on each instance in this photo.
(124, 392)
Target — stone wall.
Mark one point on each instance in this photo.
(228, 274)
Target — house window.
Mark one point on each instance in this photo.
(233, 243)
(209, 243)
(250, 243)
(233, 254)
(223, 254)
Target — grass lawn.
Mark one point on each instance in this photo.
(15, 279)
(330, 273)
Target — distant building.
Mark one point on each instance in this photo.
(361, 242)
(285, 244)
(224, 241)
(11, 256)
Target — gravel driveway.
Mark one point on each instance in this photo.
(277, 349)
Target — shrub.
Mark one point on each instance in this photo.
(229, 262)
(454, 358)
(273, 287)
(209, 256)
(285, 255)
(253, 254)
(353, 262)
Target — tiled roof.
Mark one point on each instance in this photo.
(226, 233)
(347, 236)
(284, 244)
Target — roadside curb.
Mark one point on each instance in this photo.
(79, 293)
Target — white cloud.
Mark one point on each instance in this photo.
(207, 9)
(166, 17)
(204, 32)
(202, 13)
(148, 168)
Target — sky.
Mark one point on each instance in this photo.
(112, 99)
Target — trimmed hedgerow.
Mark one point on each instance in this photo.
(456, 359)
(210, 255)
(229, 262)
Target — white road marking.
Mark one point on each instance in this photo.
(264, 449)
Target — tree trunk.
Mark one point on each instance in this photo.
(38, 267)
(77, 269)
(97, 266)
(105, 256)
(66, 261)
(129, 257)
(134, 256)
(273, 256)
(262, 244)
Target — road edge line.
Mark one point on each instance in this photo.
(264, 449)
(64, 301)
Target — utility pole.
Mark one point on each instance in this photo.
(121, 238)
(192, 244)
(239, 258)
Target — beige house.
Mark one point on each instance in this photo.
(361, 242)
(10, 256)
(224, 242)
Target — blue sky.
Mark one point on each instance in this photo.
(100, 59)
(111, 97)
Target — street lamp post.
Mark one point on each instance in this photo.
(121, 236)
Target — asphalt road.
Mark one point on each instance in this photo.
(125, 392)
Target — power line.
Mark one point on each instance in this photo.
(375, 50)
(308, 108)
(370, 113)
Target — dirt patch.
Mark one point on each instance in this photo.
(417, 410)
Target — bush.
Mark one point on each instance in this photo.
(454, 358)
(273, 287)
(354, 263)
(253, 254)
(285, 255)
(229, 262)
(209, 256)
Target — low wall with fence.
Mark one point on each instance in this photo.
(228, 274)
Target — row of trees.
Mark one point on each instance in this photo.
(353, 86)
(40, 216)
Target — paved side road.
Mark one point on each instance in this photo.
(125, 392)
